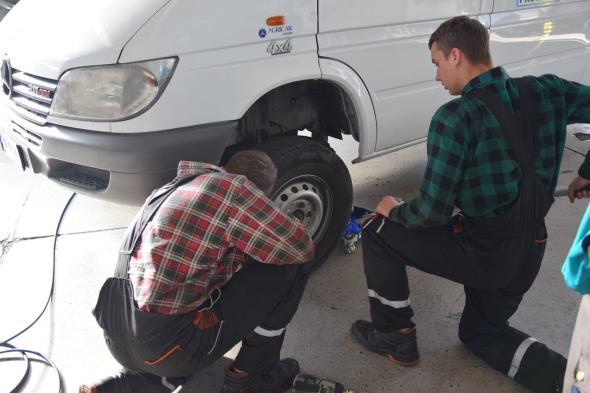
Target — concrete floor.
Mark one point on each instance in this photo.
(319, 335)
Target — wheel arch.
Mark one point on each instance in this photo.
(336, 104)
(347, 79)
(320, 106)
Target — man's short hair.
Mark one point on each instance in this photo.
(466, 34)
(256, 166)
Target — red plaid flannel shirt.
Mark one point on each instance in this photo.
(201, 235)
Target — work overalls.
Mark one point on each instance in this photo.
(254, 307)
(496, 259)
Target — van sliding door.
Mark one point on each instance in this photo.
(385, 42)
(541, 36)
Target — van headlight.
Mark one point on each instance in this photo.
(112, 92)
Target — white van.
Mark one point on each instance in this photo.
(104, 97)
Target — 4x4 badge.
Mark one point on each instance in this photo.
(278, 48)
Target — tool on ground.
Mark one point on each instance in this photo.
(310, 384)
(352, 231)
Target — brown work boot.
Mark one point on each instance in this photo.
(400, 345)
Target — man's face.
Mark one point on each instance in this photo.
(447, 70)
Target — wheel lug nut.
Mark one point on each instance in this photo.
(298, 214)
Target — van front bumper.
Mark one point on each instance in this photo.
(122, 168)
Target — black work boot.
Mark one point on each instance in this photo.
(400, 346)
(277, 380)
(130, 382)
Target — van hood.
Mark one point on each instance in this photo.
(48, 37)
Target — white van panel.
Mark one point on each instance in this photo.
(189, 26)
(340, 15)
(550, 29)
(223, 67)
(46, 38)
(487, 6)
(508, 5)
(382, 47)
(566, 65)
(585, 78)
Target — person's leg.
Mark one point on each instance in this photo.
(391, 331)
(484, 329)
(387, 249)
(264, 296)
(261, 347)
(256, 307)
(158, 347)
(387, 280)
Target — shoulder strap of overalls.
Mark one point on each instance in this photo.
(521, 130)
(148, 210)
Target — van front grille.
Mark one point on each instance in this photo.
(30, 96)
(27, 135)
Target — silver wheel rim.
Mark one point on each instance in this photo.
(307, 198)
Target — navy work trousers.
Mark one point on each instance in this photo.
(254, 307)
(494, 289)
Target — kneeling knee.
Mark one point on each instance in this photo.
(468, 335)
(464, 336)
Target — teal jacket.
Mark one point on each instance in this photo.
(576, 269)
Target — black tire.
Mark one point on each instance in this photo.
(311, 176)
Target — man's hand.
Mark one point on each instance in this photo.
(575, 189)
(387, 203)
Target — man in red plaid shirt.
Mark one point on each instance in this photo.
(209, 262)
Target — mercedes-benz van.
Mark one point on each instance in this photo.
(105, 97)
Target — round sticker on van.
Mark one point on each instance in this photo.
(262, 33)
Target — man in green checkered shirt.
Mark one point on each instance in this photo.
(494, 153)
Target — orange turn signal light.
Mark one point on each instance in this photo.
(278, 20)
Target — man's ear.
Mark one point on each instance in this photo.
(455, 56)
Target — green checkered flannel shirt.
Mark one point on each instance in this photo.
(469, 163)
